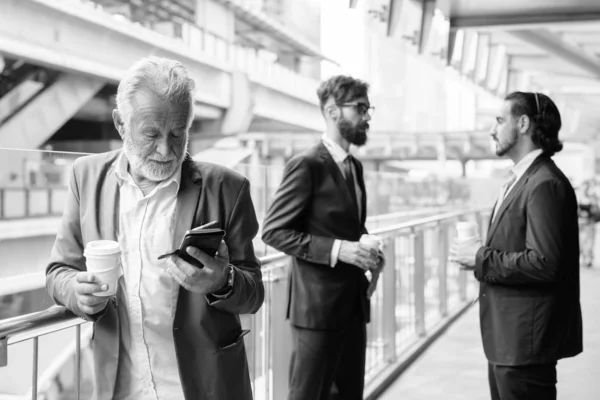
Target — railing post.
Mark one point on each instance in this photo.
(2, 203)
(78, 360)
(34, 375)
(281, 337)
(462, 285)
(49, 201)
(27, 202)
(389, 300)
(443, 268)
(3, 351)
(419, 282)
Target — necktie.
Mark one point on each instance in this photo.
(349, 177)
(504, 190)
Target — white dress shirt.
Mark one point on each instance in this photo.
(147, 361)
(522, 166)
(518, 171)
(339, 155)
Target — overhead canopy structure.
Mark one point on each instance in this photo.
(550, 46)
(256, 26)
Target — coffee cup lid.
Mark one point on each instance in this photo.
(101, 248)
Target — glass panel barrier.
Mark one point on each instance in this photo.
(405, 309)
(48, 353)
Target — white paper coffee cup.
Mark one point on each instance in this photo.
(103, 260)
(371, 241)
(467, 230)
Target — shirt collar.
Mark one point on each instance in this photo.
(522, 166)
(124, 176)
(337, 152)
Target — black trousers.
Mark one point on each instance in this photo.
(326, 361)
(535, 382)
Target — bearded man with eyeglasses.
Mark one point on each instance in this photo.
(318, 216)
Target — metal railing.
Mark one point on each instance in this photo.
(31, 202)
(418, 294)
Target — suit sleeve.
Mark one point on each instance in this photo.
(544, 242)
(283, 224)
(248, 291)
(66, 258)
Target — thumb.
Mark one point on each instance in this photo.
(223, 251)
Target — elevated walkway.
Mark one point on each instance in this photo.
(455, 368)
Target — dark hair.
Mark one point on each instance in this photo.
(544, 115)
(342, 88)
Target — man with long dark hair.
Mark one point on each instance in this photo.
(318, 216)
(528, 267)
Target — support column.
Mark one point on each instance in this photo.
(482, 58)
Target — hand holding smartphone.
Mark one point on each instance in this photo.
(203, 238)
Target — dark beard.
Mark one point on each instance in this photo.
(356, 135)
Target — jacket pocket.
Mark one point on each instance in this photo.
(236, 342)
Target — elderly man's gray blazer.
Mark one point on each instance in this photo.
(207, 332)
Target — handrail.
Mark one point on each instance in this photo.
(428, 220)
(24, 324)
(34, 321)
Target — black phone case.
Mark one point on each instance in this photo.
(208, 241)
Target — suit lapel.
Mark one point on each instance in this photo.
(338, 178)
(187, 199)
(516, 190)
(109, 202)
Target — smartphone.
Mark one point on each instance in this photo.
(207, 240)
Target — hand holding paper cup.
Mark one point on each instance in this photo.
(102, 258)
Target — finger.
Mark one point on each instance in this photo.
(223, 251)
(177, 274)
(90, 310)
(88, 288)
(184, 267)
(178, 278)
(364, 253)
(198, 255)
(362, 263)
(91, 301)
(85, 277)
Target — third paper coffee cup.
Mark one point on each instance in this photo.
(467, 230)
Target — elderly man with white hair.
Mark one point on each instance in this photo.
(172, 331)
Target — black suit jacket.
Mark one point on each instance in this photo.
(529, 272)
(311, 208)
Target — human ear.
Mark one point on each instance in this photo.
(118, 121)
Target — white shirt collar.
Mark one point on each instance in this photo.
(337, 152)
(124, 176)
(522, 166)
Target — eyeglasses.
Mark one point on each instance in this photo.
(361, 108)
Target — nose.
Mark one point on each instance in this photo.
(162, 146)
(493, 131)
(366, 117)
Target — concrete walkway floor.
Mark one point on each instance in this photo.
(454, 367)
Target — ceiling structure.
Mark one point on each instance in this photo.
(551, 46)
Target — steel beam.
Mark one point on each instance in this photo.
(48, 111)
(554, 45)
(426, 20)
(524, 20)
